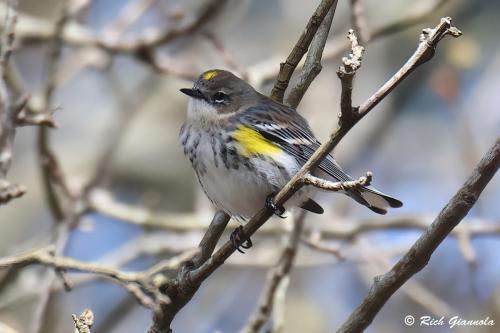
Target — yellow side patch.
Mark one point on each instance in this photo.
(253, 143)
(210, 74)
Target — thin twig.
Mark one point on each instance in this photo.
(128, 109)
(276, 277)
(209, 241)
(149, 40)
(316, 245)
(465, 245)
(312, 66)
(228, 57)
(288, 67)
(9, 109)
(53, 178)
(59, 197)
(309, 179)
(102, 202)
(346, 73)
(131, 12)
(141, 284)
(421, 12)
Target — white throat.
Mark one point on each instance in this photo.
(205, 114)
(201, 111)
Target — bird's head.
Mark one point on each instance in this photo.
(217, 94)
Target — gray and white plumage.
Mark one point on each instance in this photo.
(223, 106)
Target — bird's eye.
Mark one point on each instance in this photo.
(220, 97)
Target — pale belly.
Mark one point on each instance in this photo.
(240, 194)
(239, 186)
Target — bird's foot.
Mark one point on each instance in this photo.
(277, 210)
(240, 239)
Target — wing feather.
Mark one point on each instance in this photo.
(284, 126)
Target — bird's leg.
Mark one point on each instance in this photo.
(240, 239)
(277, 210)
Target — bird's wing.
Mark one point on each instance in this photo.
(283, 126)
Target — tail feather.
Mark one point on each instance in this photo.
(312, 206)
(375, 200)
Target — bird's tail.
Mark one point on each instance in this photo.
(373, 199)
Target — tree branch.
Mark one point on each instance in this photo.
(288, 67)
(420, 253)
(79, 36)
(421, 12)
(312, 66)
(425, 51)
(53, 179)
(142, 47)
(143, 285)
(209, 241)
(188, 282)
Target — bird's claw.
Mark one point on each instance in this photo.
(277, 210)
(240, 239)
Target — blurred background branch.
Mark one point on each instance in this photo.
(9, 109)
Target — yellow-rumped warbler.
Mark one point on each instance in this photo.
(245, 147)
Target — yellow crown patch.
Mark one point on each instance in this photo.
(210, 74)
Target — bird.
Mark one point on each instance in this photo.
(244, 147)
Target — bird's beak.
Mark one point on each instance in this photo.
(195, 93)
